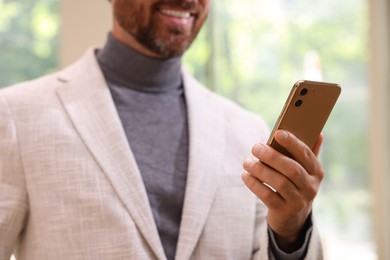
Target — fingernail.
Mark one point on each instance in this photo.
(245, 176)
(248, 163)
(258, 149)
(282, 135)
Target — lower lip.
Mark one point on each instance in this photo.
(183, 22)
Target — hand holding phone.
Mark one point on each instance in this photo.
(288, 187)
(305, 112)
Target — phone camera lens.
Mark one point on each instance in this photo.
(298, 103)
(304, 91)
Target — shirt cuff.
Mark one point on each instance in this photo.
(298, 254)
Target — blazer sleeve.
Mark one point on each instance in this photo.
(262, 249)
(13, 195)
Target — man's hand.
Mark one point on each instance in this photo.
(295, 183)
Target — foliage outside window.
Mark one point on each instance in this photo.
(252, 51)
(28, 39)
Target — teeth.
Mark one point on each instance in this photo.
(178, 14)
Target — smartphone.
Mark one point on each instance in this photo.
(305, 112)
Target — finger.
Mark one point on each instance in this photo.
(272, 179)
(301, 152)
(281, 164)
(270, 198)
(317, 146)
(257, 169)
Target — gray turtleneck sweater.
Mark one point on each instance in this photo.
(149, 98)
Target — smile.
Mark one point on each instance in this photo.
(176, 14)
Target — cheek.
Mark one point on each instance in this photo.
(206, 4)
(201, 20)
(131, 14)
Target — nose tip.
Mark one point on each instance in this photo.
(188, 3)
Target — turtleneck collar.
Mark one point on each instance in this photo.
(126, 67)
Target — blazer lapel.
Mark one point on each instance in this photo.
(206, 145)
(87, 100)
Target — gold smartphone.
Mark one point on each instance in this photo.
(305, 112)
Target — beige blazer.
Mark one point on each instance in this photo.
(70, 187)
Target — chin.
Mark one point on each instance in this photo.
(171, 47)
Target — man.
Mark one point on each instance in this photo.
(123, 155)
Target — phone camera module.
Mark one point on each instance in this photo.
(303, 91)
(298, 103)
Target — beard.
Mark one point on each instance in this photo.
(139, 21)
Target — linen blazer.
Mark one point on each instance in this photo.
(70, 187)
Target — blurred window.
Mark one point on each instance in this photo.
(28, 39)
(252, 51)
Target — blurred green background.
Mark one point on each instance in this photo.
(253, 51)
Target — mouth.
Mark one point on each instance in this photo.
(176, 13)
